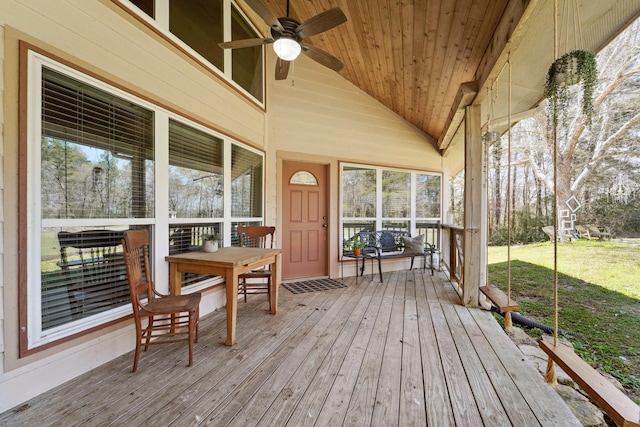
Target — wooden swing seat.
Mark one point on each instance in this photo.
(622, 410)
(500, 299)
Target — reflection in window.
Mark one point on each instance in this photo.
(246, 62)
(83, 274)
(246, 183)
(358, 192)
(196, 178)
(198, 23)
(96, 162)
(96, 153)
(427, 196)
(374, 198)
(303, 178)
(146, 6)
(396, 194)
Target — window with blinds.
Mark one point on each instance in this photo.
(96, 162)
(246, 183)
(91, 173)
(96, 152)
(196, 179)
(375, 198)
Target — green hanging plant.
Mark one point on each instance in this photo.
(571, 68)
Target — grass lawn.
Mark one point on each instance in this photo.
(598, 297)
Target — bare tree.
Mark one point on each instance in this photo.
(581, 149)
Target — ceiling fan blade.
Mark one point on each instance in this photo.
(282, 69)
(323, 57)
(235, 44)
(322, 22)
(265, 14)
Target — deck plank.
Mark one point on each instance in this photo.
(516, 407)
(344, 384)
(299, 367)
(541, 398)
(360, 410)
(485, 395)
(177, 393)
(465, 408)
(401, 352)
(412, 397)
(216, 398)
(438, 406)
(386, 408)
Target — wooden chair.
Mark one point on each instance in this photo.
(255, 236)
(169, 318)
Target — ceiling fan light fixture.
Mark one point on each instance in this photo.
(287, 48)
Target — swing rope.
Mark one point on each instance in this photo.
(508, 323)
(550, 374)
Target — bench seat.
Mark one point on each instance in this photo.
(622, 410)
(391, 244)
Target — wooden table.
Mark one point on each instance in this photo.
(229, 263)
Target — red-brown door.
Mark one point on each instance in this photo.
(304, 220)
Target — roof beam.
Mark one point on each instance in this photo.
(514, 13)
(466, 94)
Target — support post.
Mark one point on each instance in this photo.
(475, 208)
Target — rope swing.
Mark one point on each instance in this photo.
(550, 374)
(508, 323)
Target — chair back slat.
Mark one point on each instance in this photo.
(136, 256)
(256, 236)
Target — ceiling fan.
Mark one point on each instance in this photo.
(287, 35)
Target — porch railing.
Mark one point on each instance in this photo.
(452, 253)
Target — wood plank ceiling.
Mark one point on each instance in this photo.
(418, 57)
(411, 55)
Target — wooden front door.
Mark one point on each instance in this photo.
(304, 220)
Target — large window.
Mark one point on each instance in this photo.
(200, 25)
(375, 198)
(92, 172)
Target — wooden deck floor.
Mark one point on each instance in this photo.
(403, 352)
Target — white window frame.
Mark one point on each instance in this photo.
(161, 24)
(36, 337)
(379, 219)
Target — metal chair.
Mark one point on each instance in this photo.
(253, 282)
(170, 318)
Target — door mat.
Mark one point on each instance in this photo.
(313, 285)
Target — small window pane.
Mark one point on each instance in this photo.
(246, 183)
(146, 6)
(359, 192)
(303, 178)
(196, 178)
(96, 152)
(198, 23)
(188, 238)
(396, 194)
(427, 196)
(82, 273)
(350, 227)
(396, 225)
(246, 68)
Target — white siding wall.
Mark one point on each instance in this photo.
(320, 117)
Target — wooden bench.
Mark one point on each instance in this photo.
(592, 231)
(504, 304)
(394, 244)
(92, 270)
(622, 410)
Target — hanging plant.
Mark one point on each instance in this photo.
(571, 68)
